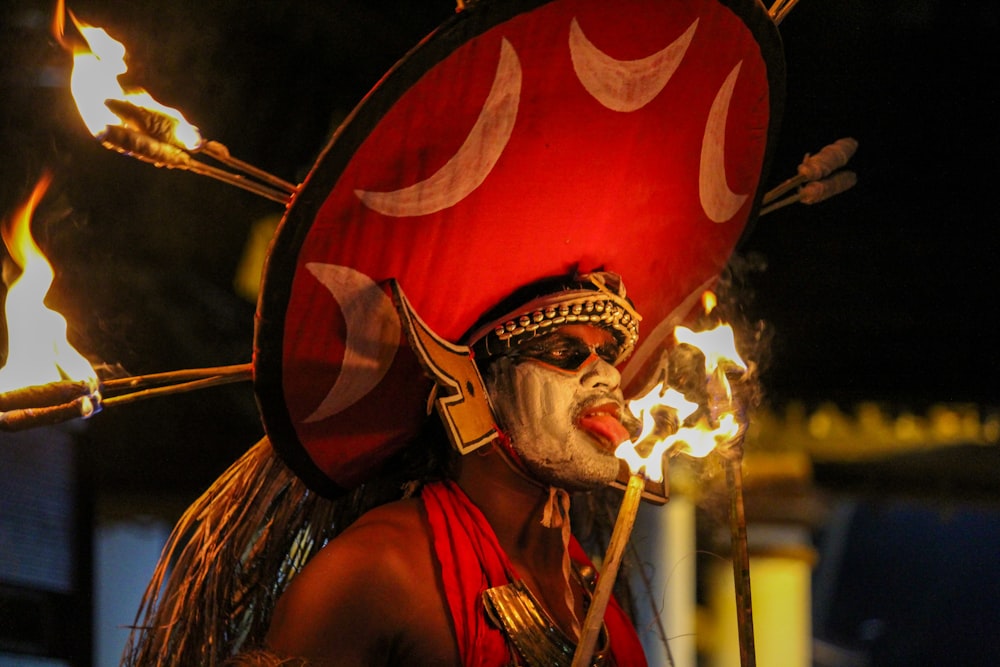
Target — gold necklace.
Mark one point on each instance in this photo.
(530, 628)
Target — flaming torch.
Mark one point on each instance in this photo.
(693, 412)
(134, 123)
(45, 380)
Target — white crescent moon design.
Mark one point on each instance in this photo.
(373, 330)
(719, 202)
(470, 166)
(624, 85)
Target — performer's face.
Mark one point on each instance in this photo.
(559, 400)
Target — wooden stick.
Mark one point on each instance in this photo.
(741, 558)
(784, 187)
(774, 206)
(136, 381)
(220, 152)
(148, 148)
(176, 389)
(162, 127)
(789, 6)
(814, 192)
(45, 413)
(775, 8)
(44, 395)
(612, 561)
(25, 418)
(816, 166)
(239, 181)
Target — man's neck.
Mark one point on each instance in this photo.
(513, 505)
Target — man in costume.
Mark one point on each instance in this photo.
(477, 570)
(524, 139)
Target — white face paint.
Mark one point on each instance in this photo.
(564, 424)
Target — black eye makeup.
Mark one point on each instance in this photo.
(565, 352)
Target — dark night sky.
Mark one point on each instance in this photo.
(885, 292)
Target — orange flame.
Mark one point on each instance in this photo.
(98, 61)
(37, 349)
(718, 344)
(709, 301)
(716, 425)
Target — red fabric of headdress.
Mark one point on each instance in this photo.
(520, 140)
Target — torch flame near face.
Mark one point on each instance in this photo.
(715, 423)
(98, 61)
(37, 349)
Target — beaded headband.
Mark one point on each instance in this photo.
(596, 298)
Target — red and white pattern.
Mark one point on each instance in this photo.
(626, 136)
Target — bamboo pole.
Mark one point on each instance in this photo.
(183, 387)
(239, 181)
(238, 371)
(740, 556)
(612, 561)
(22, 419)
(780, 10)
(220, 152)
(37, 406)
(44, 395)
(149, 148)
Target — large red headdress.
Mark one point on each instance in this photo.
(521, 140)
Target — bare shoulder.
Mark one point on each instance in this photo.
(382, 535)
(370, 596)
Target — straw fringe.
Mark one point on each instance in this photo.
(228, 559)
(234, 551)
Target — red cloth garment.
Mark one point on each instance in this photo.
(472, 561)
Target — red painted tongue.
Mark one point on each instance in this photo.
(605, 426)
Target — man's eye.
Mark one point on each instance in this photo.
(608, 353)
(567, 354)
(568, 357)
(562, 352)
(569, 351)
